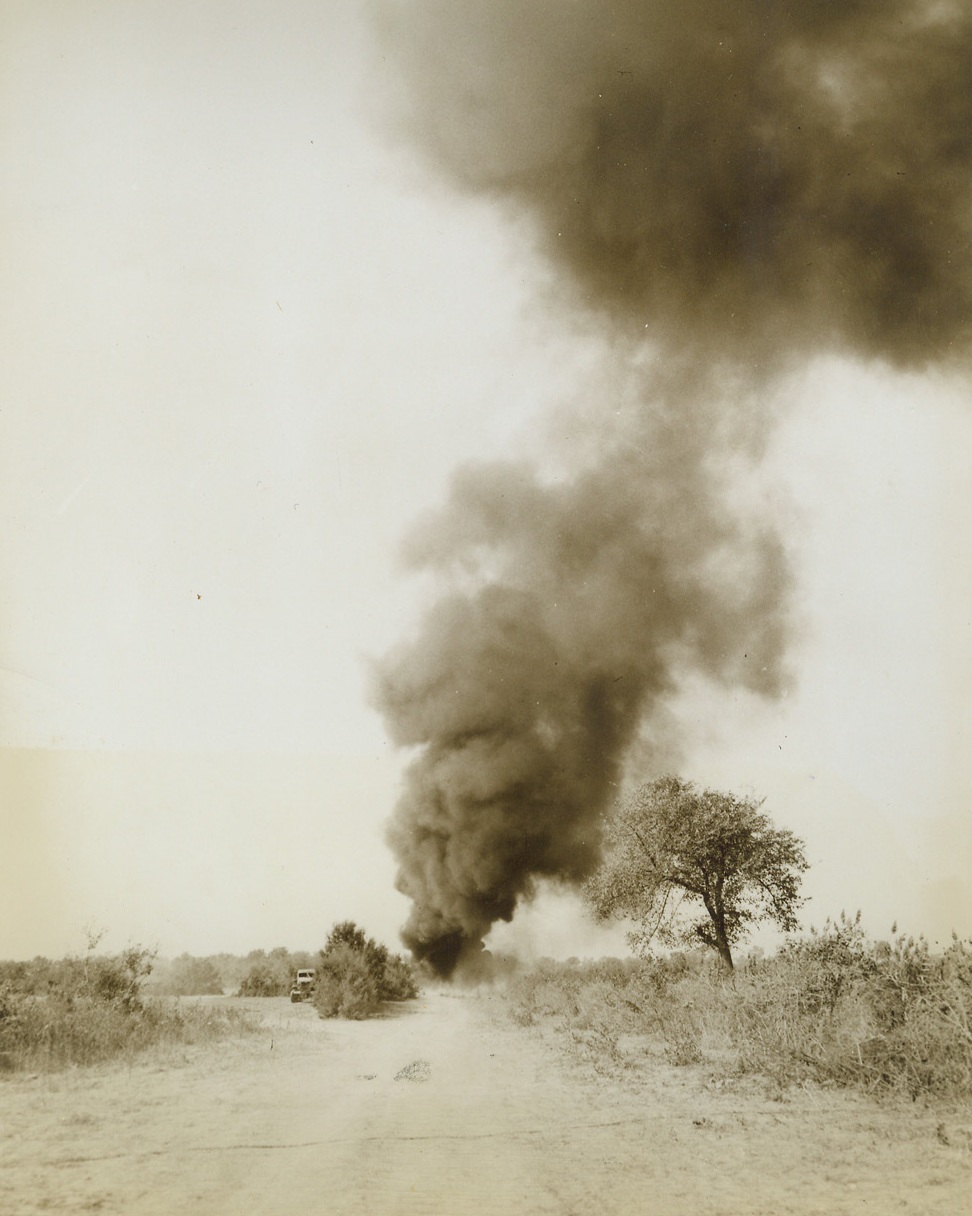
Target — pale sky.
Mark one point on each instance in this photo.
(245, 338)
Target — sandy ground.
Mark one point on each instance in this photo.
(449, 1108)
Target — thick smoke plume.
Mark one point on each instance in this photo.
(738, 175)
(742, 183)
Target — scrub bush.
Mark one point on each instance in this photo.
(356, 975)
(83, 1011)
(833, 1007)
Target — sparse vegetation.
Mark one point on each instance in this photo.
(832, 1007)
(81, 1011)
(356, 975)
(188, 976)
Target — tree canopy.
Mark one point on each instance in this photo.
(346, 933)
(672, 846)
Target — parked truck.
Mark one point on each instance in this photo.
(303, 988)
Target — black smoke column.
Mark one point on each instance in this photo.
(732, 185)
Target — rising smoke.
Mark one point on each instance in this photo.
(740, 183)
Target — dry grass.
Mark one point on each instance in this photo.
(79, 1012)
(833, 1007)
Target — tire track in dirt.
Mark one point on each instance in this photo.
(447, 1109)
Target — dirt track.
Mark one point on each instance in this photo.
(447, 1108)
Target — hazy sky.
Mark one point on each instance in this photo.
(245, 339)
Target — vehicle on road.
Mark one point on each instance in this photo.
(303, 988)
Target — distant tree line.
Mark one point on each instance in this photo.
(272, 974)
(355, 974)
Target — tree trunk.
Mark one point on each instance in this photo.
(717, 911)
(723, 947)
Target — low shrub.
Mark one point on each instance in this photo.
(346, 986)
(92, 1010)
(399, 983)
(833, 1007)
(356, 975)
(839, 1008)
(263, 979)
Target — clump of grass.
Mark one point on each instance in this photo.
(83, 1011)
(833, 1007)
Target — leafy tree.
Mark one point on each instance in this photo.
(672, 844)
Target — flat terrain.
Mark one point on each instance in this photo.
(449, 1108)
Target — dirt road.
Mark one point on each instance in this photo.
(449, 1109)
